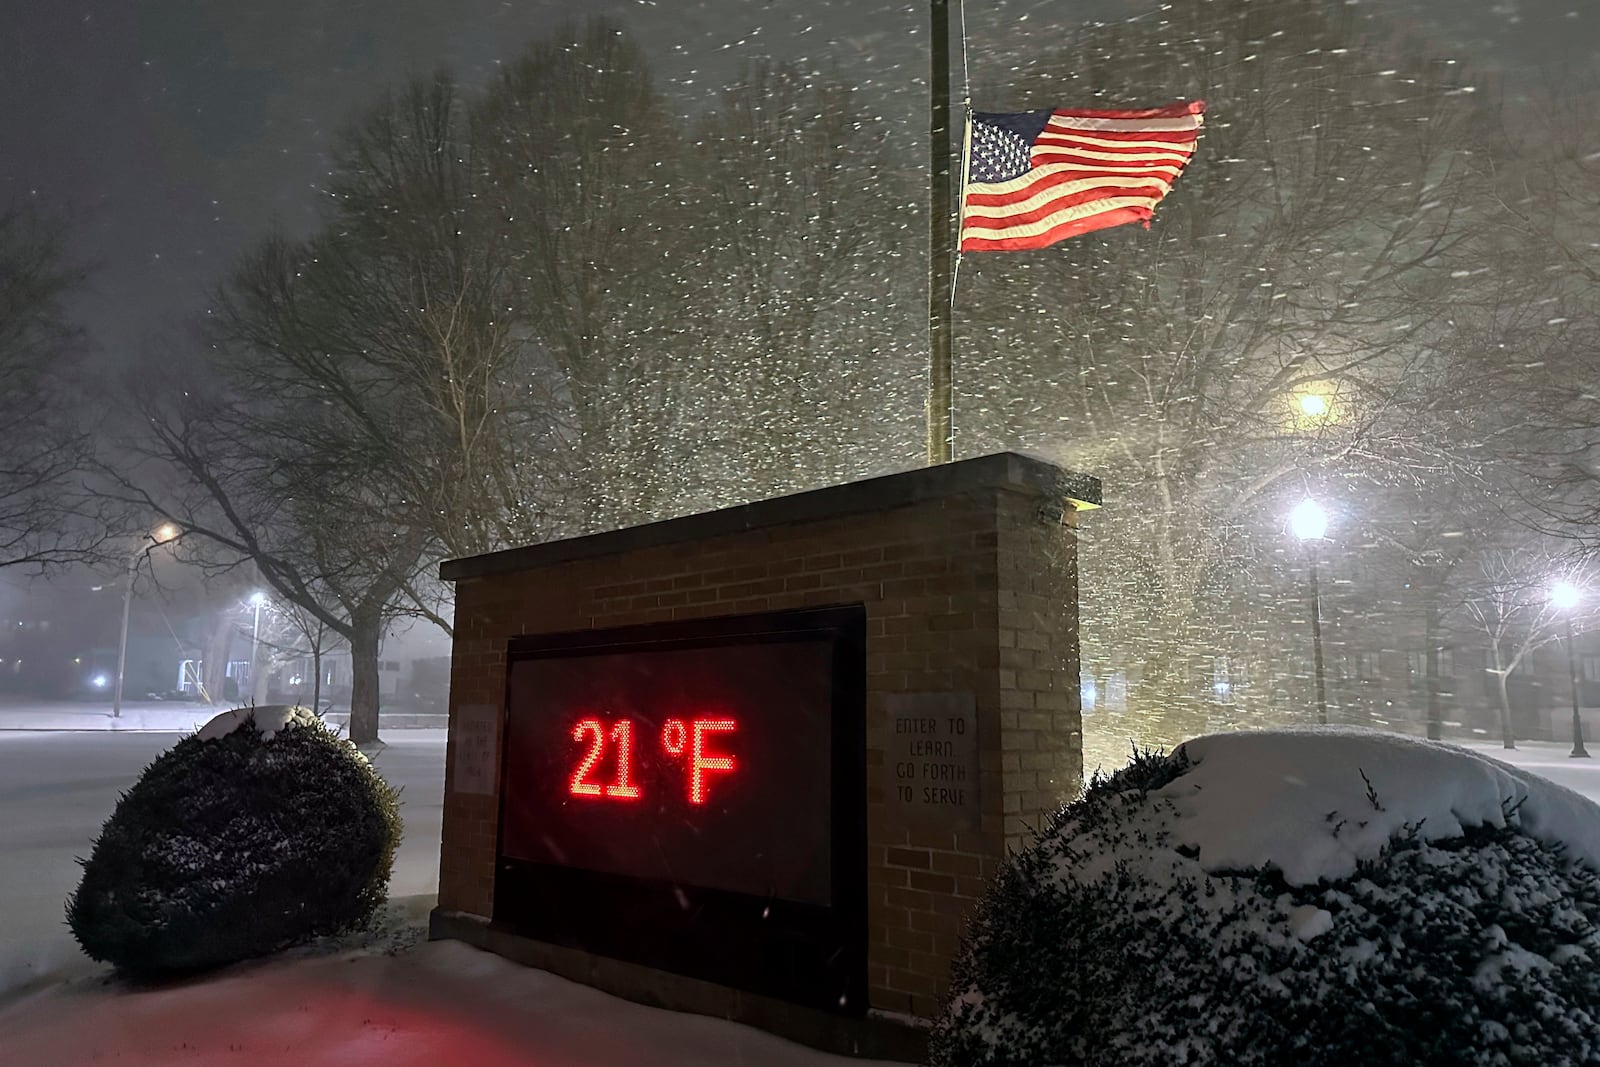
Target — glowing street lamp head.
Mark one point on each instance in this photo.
(1313, 405)
(1308, 521)
(165, 532)
(1564, 596)
(257, 598)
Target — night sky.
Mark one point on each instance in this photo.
(171, 134)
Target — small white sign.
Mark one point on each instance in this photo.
(476, 732)
(932, 758)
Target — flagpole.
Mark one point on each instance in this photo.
(941, 400)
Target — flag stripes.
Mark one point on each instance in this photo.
(1035, 178)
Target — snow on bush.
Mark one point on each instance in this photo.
(1307, 897)
(262, 829)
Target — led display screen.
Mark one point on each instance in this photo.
(703, 766)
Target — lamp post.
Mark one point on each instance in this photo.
(159, 536)
(1309, 523)
(1564, 596)
(257, 599)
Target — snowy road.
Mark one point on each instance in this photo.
(57, 788)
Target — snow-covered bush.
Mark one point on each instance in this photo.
(1308, 898)
(262, 829)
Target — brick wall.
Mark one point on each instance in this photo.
(972, 592)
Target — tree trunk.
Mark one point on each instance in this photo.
(214, 669)
(365, 634)
(1507, 735)
(1430, 628)
(260, 675)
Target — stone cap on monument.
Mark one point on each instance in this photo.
(999, 470)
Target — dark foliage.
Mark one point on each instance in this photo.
(236, 847)
(1475, 950)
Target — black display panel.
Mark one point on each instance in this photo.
(691, 796)
(677, 764)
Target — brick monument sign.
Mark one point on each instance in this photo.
(761, 763)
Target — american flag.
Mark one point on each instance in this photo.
(1038, 177)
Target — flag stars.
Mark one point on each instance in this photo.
(998, 154)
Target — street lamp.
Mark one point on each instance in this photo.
(257, 599)
(1312, 408)
(1313, 405)
(159, 536)
(1309, 523)
(1564, 597)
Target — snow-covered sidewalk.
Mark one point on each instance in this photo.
(433, 1004)
(150, 716)
(172, 717)
(1549, 759)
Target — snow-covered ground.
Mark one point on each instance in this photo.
(147, 715)
(1548, 759)
(427, 1003)
(439, 1003)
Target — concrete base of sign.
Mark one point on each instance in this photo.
(966, 577)
(872, 1037)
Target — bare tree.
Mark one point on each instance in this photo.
(42, 516)
(1549, 200)
(798, 359)
(578, 156)
(388, 332)
(364, 405)
(1507, 598)
(318, 531)
(1283, 328)
(290, 634)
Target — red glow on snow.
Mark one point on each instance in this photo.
(375, 1012)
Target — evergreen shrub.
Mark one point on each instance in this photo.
(1477, 949)
(235, 847)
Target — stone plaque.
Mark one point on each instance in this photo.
(932, 759)
(475, 728)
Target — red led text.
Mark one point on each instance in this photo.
(675, 733)
(690, 742)
(622, 735)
